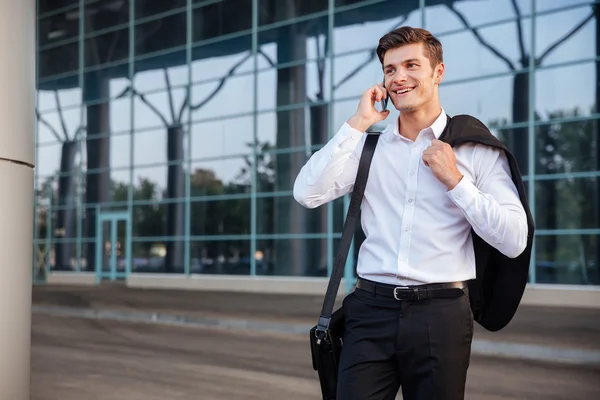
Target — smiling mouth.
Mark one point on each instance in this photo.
(404, 91)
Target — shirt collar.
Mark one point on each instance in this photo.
(436, 128)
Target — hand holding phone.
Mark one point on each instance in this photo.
(384, 101)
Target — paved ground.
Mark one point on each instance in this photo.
(77, 358)
(567, 328)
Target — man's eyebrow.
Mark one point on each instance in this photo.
(410, 60)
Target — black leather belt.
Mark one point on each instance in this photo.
(448, 290)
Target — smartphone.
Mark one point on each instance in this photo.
(384, 101)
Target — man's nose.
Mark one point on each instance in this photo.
(400, 76)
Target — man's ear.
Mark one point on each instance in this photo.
(438, 74)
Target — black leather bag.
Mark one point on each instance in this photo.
(326, 338)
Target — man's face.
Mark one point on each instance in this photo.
(410, 79)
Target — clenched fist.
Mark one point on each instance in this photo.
(439, 157)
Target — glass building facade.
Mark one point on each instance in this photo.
(169, 133)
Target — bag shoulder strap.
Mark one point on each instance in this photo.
(348, 232)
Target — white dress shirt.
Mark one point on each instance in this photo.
(417, 231)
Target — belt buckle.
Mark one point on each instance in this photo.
(396, 291)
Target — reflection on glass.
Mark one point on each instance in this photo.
(225, 97)
(150, 147)
(58, 28)
(222, 137)
(166, 72)
(107, 48)
(162, 109)
(220, 217)
(567, 204)
(161, 34)
(214, 19)
(294, 85)
(355, 73)
(45, 6)
(146, 8)
(565, 147)
(120, 156)
(579, 96)
(222, 58)
(568, 259)
(291, 257)
(306, 40)
(459, 15)
(566, 36)
(269, 215)
(58, 61)
(68, 98)
(270, 12)
(227, 257)
(48, 159)
(99, 15)
(361, 28)
(224, 176)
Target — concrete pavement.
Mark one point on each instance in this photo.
(569, 335)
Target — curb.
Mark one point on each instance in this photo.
(510, 350)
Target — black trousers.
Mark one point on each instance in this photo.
(421, 346)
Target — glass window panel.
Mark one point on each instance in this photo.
(556, 38)
(45, 6)
(67, 98)
(222, 58)
(154, 109)
(479, 103)
(355, 73)
(150, 182)
(294, 42)
(568, 204)
(120, 156)
(275, 129)
(120, 182)
(229, 257)
(220, 217)
(217, 177)
(221, 18)
(581, 93)
(107, 48)
(361, 28)
(222, 137)
(52, 127)
(503, 39)
(568, 259)
(150, 71)
(567, 147)
(161, 34)
(148, 219)
(283, 215)
(546, 5)
(292, 257)
(299, 84)
(99, 85)
(219, 98)
(150, 147)
(58, 61)
(58, 27)
(146, 8)
(441, 18)
(270, 11)
(100, 15)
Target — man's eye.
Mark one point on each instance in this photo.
(411, 65)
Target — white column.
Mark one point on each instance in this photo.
(17, 118)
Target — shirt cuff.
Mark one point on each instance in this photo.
(349, 136)
(464, 193)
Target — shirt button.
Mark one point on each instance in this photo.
(406, 229)
(412, 172)
(410, 200)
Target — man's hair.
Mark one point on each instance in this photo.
(407, 35)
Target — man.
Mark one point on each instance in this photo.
(421, 201)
